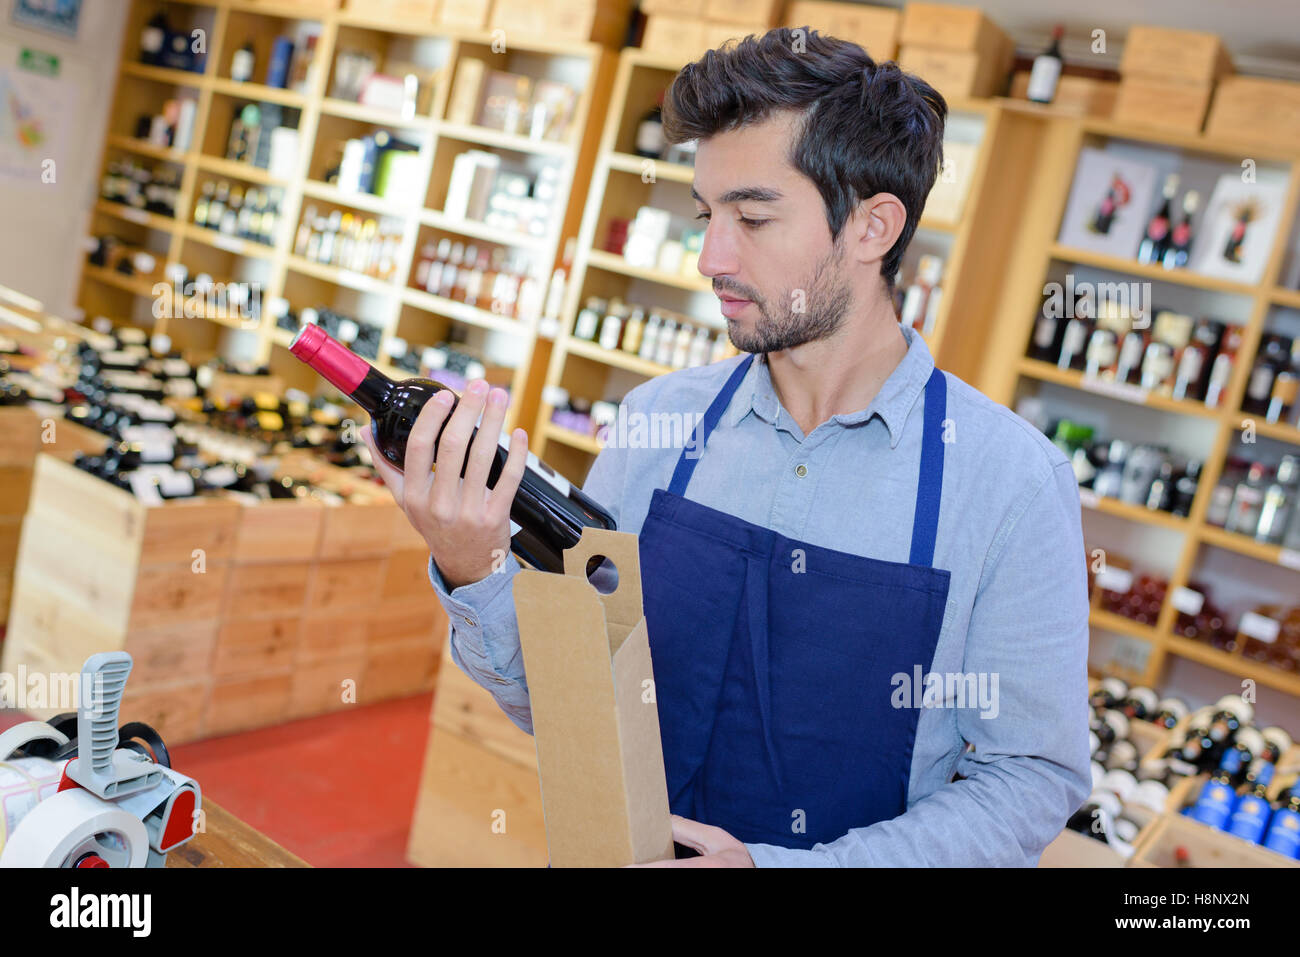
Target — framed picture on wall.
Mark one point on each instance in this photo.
(53, 16)
(1239, 227)
(1109, 202)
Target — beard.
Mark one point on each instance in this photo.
(807, 312)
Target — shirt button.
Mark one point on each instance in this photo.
(469, 621)
(801, 470)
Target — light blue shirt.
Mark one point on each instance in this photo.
(1017, 614)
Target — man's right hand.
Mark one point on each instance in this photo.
(465, 524)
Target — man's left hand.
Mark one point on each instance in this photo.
(717, 848)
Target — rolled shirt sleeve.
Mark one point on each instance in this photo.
(1026, 768)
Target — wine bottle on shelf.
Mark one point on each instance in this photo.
(153, 38)
(1046, 72)
(1152, 248)
(242, 63)
(650, 132)
(548, 514)
(1180, 239)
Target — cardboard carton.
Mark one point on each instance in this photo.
(596, 724)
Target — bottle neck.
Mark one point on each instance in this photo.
(343, 368)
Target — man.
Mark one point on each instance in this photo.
(864, 581)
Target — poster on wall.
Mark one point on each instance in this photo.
(1239, 226)
(35, 104)
(1109, 199)
(54, 16)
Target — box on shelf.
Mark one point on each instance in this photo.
(1072, 849)
(946, 27)
(758, 13)
(467, 14)
(591, 683)
(597, 21)
(678, 37)
(1256, 110)
(425, 10)
(957, 73)
(875, 29)
(670, 8)
(1180, 56)
(1205, 847)
(1077, 95)
(1161, 104)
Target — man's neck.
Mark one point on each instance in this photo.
(840, 374)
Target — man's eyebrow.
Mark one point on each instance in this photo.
(743, 194)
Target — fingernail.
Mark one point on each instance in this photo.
(478, 386)
(497, 396)
(442, 397)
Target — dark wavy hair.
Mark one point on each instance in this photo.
(867, 127)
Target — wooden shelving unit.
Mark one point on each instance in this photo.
(395, 305)
(619, 186)
(1005, 371)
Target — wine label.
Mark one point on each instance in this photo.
(176, 368)
(144, 488)
(1259, 627)
(1114, 579)
(1187, 601)
(220, 476)
(176, 484)
(544, 471)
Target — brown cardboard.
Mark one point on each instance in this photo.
(1179, 56)
(596, 725)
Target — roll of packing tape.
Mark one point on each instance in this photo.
(24, 783)
(64, 828)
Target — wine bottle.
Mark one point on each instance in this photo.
(1156, 241)
(1046, 72)
(547, 515)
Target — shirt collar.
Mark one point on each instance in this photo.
(892, 403)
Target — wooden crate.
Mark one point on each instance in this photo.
(466, 14)
(679, 37)
(946, 27)
(1077, 95)
(1162, 104)
(763, 14)
(425, 10)
(1206, 847)
(957, 74)
(1180, 56)
(598, 21)
(1255, 110)
(1072, 849)
(875, 29)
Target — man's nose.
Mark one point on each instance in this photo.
(718, 252)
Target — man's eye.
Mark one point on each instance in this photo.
(702, 216)
(754, 222)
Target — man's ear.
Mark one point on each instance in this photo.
(877, 223)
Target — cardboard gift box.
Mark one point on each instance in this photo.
(595, 720)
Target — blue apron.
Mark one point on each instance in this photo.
(775, 659)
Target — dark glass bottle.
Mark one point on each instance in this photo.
(549, 512)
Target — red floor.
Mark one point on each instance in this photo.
(337, 790)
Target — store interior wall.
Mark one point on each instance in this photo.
(43, 224)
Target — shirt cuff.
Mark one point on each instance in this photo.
(769, 855)
(464, 605)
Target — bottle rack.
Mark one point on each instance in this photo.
(393, 304)
(1006, 371)
(622, 181)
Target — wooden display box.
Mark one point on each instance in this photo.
(1162, 104)
(466, 14)
(1180, 56)
(1254, 110)
(678, 37)
(759, 13)
(237, 616)
(1206, 846)
(946, 27)
(425, 10)
(875, 29)
(598, 21)
(958, 74)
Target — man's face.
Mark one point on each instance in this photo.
(767, 247)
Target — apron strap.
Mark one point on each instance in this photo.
(686, 464)
(925, 524)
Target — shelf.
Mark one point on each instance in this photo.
(231, 244)
(610, 262)
(576, 440)
(133, 284)
(1236, 665)
(1244, 545)
(1046, 372)
(258, 92)
(1136, 513)
(936, 225)
(507, 141)
(1229, 149)
(1182, 277)
(1286, 297)
(239, 170)
(341, 277)
(162, 74)
(616, 357)
(369, 114)
(630, 163)
(139, 216)
(281, 337)
(366, 201)
(1110, 621)
(144, 148)
(491, 234)
(470, 315)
